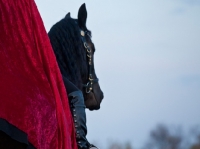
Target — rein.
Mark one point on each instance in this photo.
(88, 85)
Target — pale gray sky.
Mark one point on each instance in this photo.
(147, 60)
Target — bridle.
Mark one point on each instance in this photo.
(91, 80)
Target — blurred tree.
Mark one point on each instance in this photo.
(197, 145)
(162, 138)
(117, 145)
(128, 146)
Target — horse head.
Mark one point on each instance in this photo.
(74, 49)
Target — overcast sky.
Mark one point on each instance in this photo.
(147, 60)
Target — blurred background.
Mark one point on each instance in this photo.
(148, 61)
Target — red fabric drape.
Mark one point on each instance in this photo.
(32, 93)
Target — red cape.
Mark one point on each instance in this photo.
(32, 94)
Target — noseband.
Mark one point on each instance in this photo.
(88, 85)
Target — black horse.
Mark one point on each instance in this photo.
(74, 49)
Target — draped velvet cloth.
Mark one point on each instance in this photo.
(32, 94)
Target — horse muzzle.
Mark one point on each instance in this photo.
(93, 101)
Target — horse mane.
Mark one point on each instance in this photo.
(68, 48)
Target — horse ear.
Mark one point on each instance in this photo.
(82, 16)
(68, 15)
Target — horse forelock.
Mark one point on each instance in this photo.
(68, 48)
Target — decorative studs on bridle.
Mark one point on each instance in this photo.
(91, 80)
